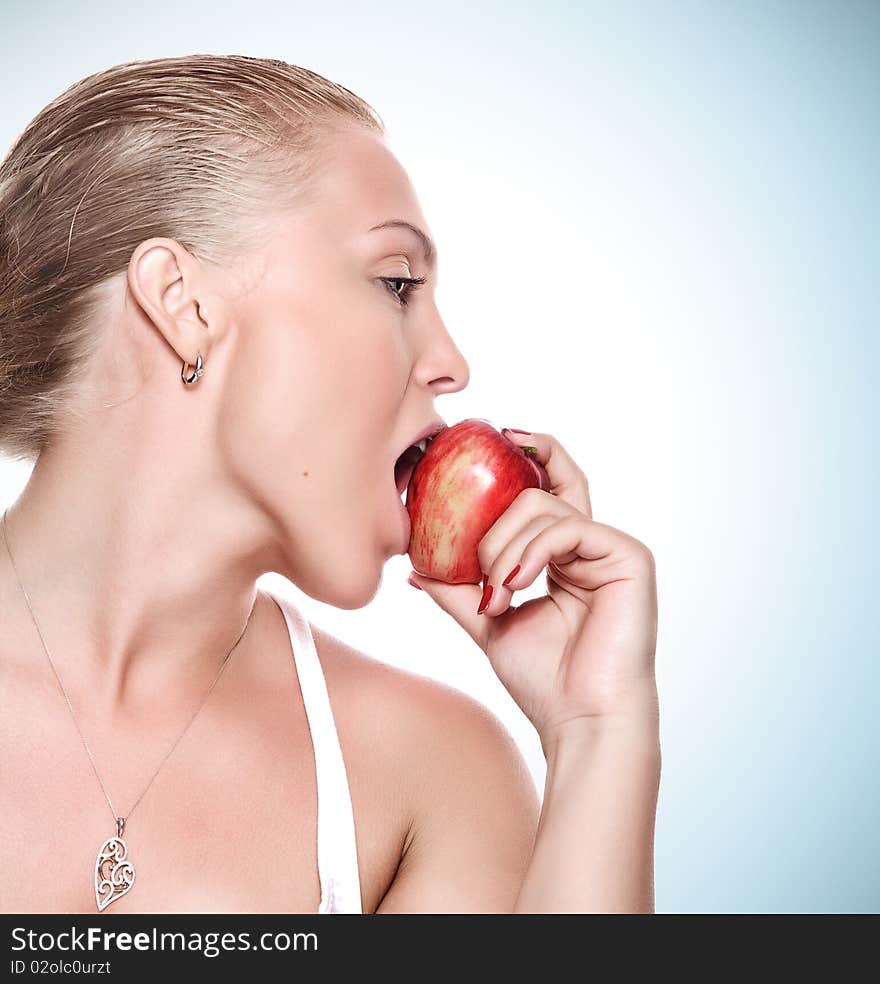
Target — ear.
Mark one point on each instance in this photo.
(163, 277)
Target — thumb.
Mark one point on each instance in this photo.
(458, 600)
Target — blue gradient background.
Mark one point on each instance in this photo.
(658, 235)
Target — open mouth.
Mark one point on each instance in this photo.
(406, 463)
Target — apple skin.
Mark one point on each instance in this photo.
(466, 479)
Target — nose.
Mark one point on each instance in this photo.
(441, 366)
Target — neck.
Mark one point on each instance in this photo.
(136, 590)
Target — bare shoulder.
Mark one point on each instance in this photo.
(427, 720)
(471, 803)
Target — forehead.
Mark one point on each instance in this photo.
(361, 185)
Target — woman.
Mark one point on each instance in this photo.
(218, 325)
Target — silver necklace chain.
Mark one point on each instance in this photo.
(70, 706)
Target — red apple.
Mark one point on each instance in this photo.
(466, 479)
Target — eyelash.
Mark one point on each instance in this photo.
(410, 284)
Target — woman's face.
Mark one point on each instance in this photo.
(333, 376)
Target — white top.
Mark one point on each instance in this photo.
(337, 847)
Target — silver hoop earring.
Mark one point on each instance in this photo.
(197, 373)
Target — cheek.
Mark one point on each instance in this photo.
(312, 394)
(355, 365)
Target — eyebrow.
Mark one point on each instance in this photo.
(428, 246)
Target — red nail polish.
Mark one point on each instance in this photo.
(484, 601)
(511, 575)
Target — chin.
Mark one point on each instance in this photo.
(341, 567)
(357, 596)
(351, 584)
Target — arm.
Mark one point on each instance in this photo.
(595, 841)
(579, 661)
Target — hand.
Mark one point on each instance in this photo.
(585, 650)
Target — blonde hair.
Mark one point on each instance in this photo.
(194, 148)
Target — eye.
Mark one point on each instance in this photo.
(402, 294)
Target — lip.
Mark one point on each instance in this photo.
(431, 429)
(401, 520)
(406, 527)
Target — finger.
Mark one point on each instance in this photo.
(511, 544)
(567, 479)
(506, 532)
(463, 601)
(590, 555)
(460, 601)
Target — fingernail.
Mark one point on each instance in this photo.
(512, 575)
(513, 430)
(409, 580)
(484, 601)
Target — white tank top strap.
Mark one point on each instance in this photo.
(337, 845)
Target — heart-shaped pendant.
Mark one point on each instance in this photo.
(114, 876)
